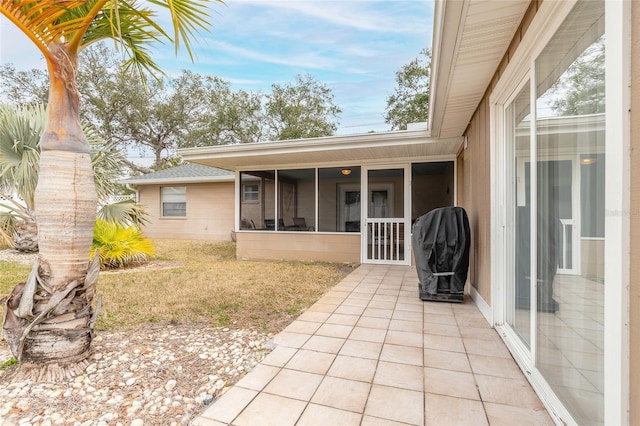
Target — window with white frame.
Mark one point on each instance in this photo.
(174, 201)
(250, 192)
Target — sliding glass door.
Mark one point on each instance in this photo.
(554, 180)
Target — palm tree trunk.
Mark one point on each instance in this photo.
(26, 234)
(48, 321)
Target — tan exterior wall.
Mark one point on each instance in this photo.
(298, 246)
(474, 175)
(476, 199)
(210, 213)
(634, 297)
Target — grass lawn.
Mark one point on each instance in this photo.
(204, 283)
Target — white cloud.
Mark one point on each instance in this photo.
(353, 46)
(361, 15)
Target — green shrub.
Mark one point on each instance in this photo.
(119, 245)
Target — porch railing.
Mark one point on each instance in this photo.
(385, 237)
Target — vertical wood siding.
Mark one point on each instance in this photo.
(474, 174)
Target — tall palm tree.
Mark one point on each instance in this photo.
(48, 320)
(20, 130)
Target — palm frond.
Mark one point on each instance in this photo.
(20, 130)
(131, 24)
(119, 245)
(107, 161)
(187, 17)
(43, 21)
(124, 212)
(7, 228)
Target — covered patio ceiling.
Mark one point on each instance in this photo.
(346, 150)
(470, 39)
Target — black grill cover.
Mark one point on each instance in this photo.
(441, 240)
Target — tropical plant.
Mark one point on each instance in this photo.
(118, 245)
(124, 212)
(48, 320)
(20, 130)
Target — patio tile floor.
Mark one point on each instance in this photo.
(370, 352)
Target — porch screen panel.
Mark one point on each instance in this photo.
(431, 187)
(570, 153)
(385, 215)
(257, 211)
(297, 200)
(339, 207)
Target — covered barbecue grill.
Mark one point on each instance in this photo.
(441, 240)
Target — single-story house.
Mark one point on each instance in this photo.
(190, 201)
(534, 130)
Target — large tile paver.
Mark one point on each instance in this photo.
(228, 408)
(319, 415)
(446, 360)
(442, 410)
(399, 375)
(344, 394)
(400, 405)
(267, 409)
(353, 368)
(370, 352)
(311, 361)
(500, 415)
(294, 384)
(450, 383)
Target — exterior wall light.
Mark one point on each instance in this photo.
(345, 172)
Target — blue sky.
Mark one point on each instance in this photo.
(354, 47)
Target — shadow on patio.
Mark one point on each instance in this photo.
(370, 352)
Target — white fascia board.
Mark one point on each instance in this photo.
(165, 181)
(368, 140)
(447, 32)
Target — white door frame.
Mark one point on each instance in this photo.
(617, 224)
(388, 226)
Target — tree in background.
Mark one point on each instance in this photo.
(304, 109)
(48, 321)
(410, 101)
(223, 116)
(24, 87)
(189, 110)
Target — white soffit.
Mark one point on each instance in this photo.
(347, 150)
(470, 39)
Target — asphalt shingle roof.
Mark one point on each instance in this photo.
(187, 171)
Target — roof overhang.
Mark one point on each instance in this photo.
(470, 39)
(352, 149)
(174, 180)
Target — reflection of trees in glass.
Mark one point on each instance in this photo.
(580, 90)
